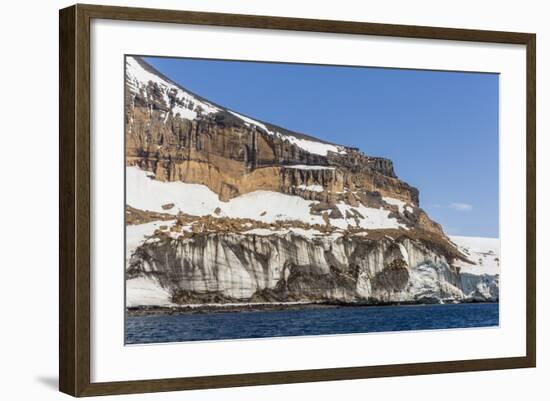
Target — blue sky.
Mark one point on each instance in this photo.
(439, 128)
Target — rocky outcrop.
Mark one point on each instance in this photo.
(245, 159)
(234, 155)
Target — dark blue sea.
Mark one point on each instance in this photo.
(306, 322)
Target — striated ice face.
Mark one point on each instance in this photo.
(310, 266)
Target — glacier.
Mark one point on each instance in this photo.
(294, 266)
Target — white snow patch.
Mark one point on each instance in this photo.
(314, 187)
(136, 234)
(314, 147)
(277, 206)
(249, 121)
(145, 193)
(395, 202)
(484, 252)
(308, 233)
(198, 200)
(372, 218)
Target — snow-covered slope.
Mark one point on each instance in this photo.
(484, 252)
(190, 106)
(138, 233)
(145, 193)
(182, 102)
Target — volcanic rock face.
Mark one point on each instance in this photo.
(226, 208)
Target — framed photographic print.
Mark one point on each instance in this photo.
(250, 200)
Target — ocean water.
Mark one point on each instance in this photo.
(306, 322)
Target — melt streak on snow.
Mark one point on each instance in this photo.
(145, 193)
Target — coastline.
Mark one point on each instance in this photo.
(148, 310)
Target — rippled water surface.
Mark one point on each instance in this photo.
(366, 319)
